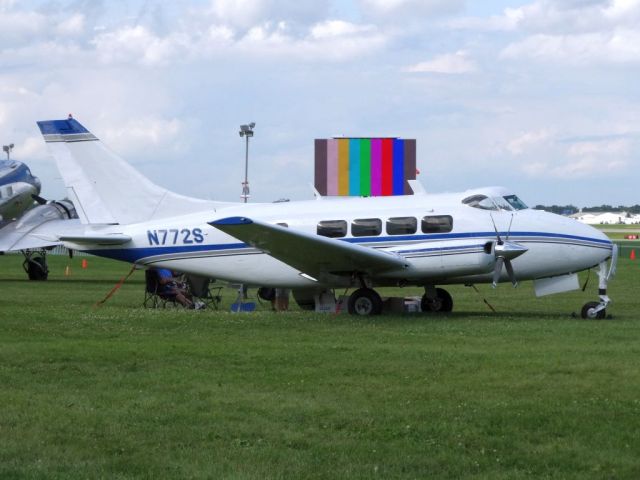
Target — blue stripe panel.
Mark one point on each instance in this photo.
(398, 166)
(61, 127)
(232, 221)
(354, 167)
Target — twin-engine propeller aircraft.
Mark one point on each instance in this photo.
(486, 235)
(19, 190)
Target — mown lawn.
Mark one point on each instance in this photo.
(123, 392)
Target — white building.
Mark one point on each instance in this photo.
(607, 218)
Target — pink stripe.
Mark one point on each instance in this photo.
(332, 167)
(376, 167)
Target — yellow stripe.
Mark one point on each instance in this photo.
(343, 166)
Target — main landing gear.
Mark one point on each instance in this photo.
(366, 301)
(35, 264)
(436, 300)
(598, 310)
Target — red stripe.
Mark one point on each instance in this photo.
(387, 166)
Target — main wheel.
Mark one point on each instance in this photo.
(36, 268)
(441, 303)
(365, 301)
(589, 311)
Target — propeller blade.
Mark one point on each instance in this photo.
(512, 276)
(497, 271)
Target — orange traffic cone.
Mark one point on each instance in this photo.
(85, 264)
(633, 254)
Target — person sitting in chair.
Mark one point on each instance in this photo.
(170, 287)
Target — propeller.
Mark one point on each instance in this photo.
(505, 251)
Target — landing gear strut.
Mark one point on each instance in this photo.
(35, 264)
(597, 310)
(436, 300)
(365, 301)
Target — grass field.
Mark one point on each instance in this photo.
(123, 392)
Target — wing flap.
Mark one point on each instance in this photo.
(114, 239)
(313, 255)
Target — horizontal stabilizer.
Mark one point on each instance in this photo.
(311, 254)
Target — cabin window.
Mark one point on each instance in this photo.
(480, 201)
(437, 224)
(515, 202)
(332, 228)
(402, 225)
(366, 227)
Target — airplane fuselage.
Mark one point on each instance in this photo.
(17, 185)
(461, 252)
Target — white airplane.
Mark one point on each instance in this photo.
(487, 235)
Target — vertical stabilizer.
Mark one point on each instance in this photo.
(105, 188)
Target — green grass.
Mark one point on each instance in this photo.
(123, 392)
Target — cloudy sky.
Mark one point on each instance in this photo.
(538, 95)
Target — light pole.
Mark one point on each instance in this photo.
(7, 149)
(246, 131)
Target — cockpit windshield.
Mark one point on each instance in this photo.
(515, 202)
(507, 202)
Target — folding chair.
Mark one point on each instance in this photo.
(202, 288)
(152, 296)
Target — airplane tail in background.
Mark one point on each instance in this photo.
(103, 187)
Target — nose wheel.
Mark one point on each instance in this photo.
(592, 311)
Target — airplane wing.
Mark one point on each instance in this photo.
(311, 254)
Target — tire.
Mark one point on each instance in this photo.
(365, 301)
(267, 294)
(588, 312)
(37, 269)
(443, 302)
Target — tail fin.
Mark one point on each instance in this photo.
(103, 187)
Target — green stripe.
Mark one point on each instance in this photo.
(365, 167)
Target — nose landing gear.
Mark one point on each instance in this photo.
(598, 310)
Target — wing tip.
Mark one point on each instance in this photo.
(231, 221)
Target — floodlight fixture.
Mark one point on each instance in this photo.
(7, 149)
(246, 131)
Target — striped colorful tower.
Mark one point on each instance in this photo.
(364, 166)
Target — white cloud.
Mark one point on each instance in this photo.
(451, 63)
(338, 28)
(528, 140)
(409, 8)
(73, 25)
(138, 44)
(607, 148)
(137, 135)
(620, 46)
(245, 14)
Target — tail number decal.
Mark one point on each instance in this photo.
(174, 236)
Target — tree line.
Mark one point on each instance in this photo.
(571, 209)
